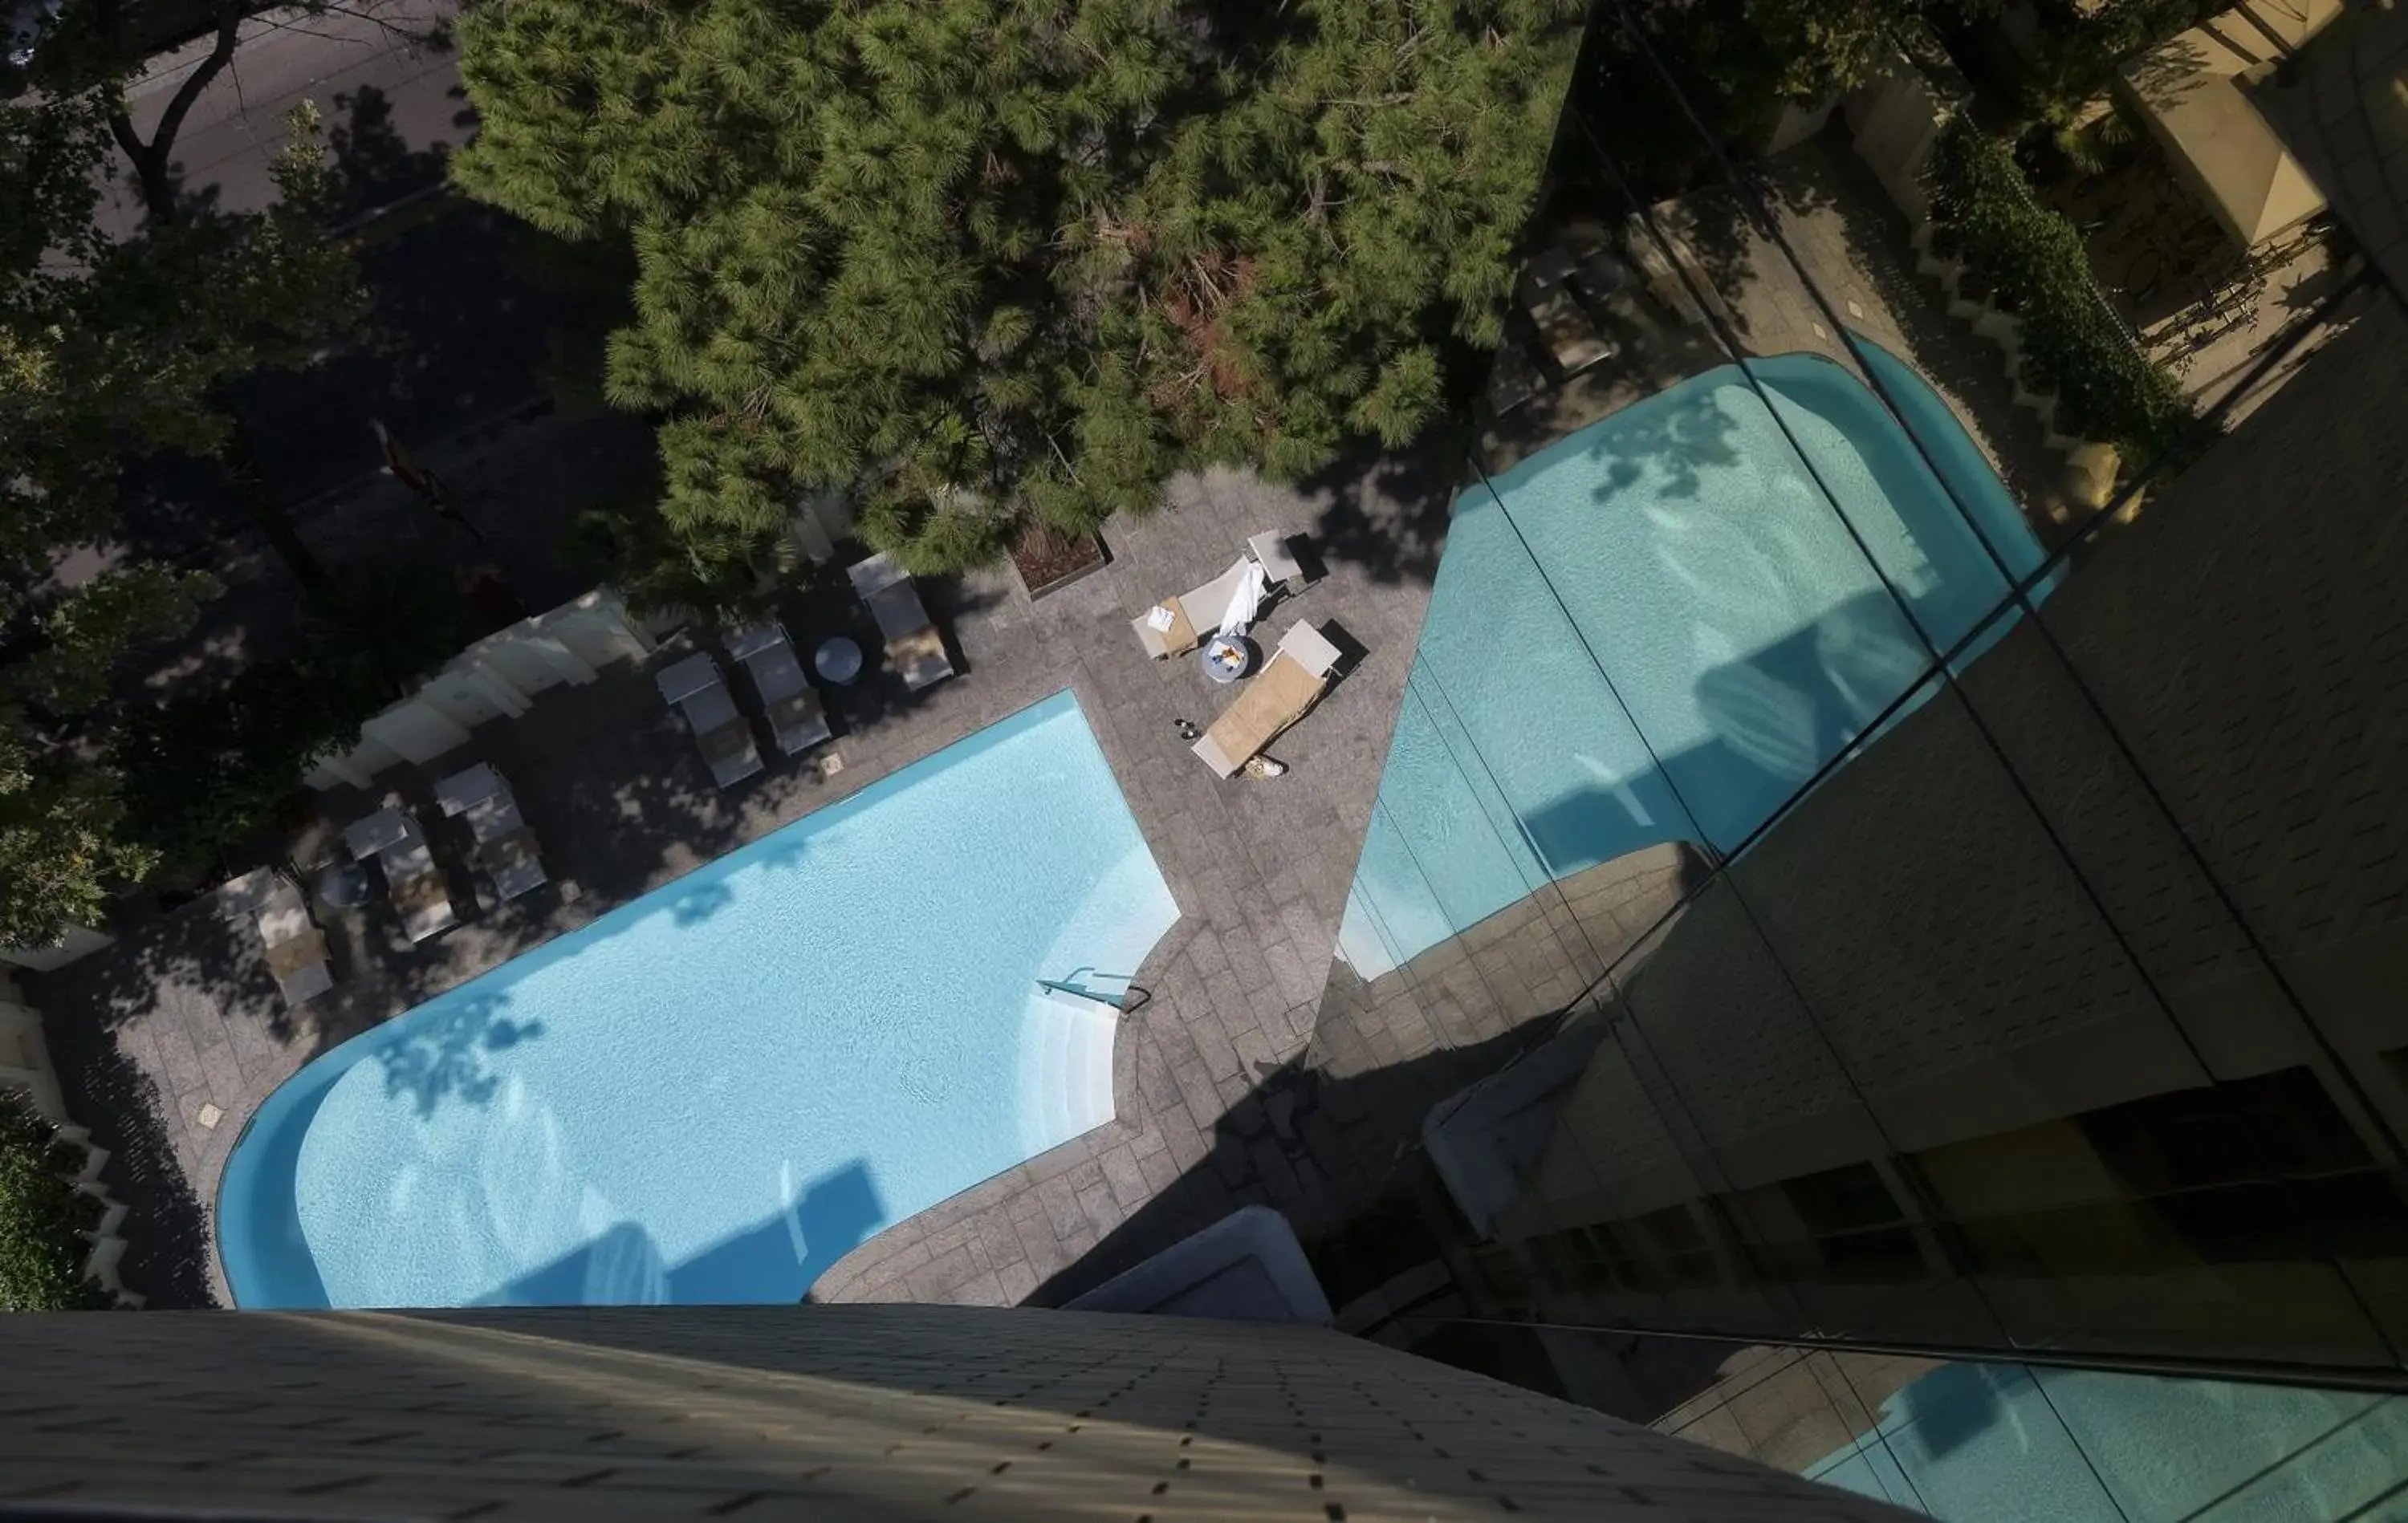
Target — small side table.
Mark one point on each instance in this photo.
(343, 885)
(838, 660)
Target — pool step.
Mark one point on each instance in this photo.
(1071, 1076)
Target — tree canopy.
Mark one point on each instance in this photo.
(979, 260)
(111, 345)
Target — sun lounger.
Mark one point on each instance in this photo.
(1290, 684)
(1270, 553)
(1545, 291)
(796, 717)
(1662, 273)
(241, 898)
(296, 949)
(1514, 378)
(514, 862)
(912, 643)
(506, 847)
(300, 966)
(1170, 627)
(1570, 339)
(424, 904)
(724, 738)
(413, 880)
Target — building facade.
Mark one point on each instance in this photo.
(827, 1412)
(2049, 1005)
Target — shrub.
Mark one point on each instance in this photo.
(41, 1257)
(2035, 261)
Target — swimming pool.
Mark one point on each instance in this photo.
(713, 1092)
(1745, 638)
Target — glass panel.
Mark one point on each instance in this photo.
(2105, 1192)
(2249, 660)
(1801, 1167)
(2166, 1450)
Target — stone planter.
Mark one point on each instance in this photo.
(2000, 327)
(1046, 561)
(107, 1215)
(1969, 307)
(1947, 272)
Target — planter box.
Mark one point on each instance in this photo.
(1046, 561)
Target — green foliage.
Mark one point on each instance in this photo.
(1733, 63)
(984, 260)
(109, 344)
(201, 774)
(87, 630)
(380, 632)
(41, 1257)
(2075, 62)
(2036, 262)
(629, 544)
(61, 844)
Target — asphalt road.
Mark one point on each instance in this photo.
(392, 103)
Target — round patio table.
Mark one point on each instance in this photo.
(838, 660)
(343, 885)
(1227, 657)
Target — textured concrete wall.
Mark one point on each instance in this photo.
(834, 1412)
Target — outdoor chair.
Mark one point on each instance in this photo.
(506, 847)
(1662, 273)
(726, 740)
(296, 949)
(411, 878)
(796, 717)
(1176, 626)
(912, 643)
(1170, 627)
(1270, 553)
(1291, 683)
(1571, 340)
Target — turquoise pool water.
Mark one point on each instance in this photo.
(2005, 1443)
(711, 1093)
(1744, 634)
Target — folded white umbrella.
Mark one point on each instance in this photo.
(1245, 601)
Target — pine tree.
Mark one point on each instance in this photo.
(978, 261)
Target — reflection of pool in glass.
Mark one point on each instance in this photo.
(711, 1093)
(1746, 639)
(2002, 1442)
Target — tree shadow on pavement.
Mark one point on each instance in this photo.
(1388, 510)
(375, 164)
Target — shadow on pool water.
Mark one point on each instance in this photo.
(623, 1266)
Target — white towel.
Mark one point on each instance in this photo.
(1246, 602)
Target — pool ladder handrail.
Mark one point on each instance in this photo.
(1119, 1001)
